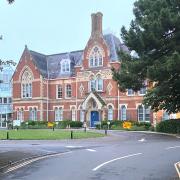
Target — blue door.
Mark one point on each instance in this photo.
(94, 118)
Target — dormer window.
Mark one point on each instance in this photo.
(95, 58)
(65, 66)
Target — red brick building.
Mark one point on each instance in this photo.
(77, 85)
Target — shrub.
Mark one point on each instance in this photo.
(169, 126)
(34, 125)
(76, 124)
(114, 123)
(146, 125)
(73, 124)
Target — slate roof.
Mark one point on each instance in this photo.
(40, 62)
(49, 65)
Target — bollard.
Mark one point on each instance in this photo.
(7, 135)
(53, 128)
(84, 129)
(71, 134)
(106, 132)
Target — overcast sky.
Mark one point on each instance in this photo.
(56, 26)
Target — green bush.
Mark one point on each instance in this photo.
(118, 125)
(146, 125)
(63, 124)
(73, 124)
(169, 126)
(33, 125)
(76, 124)
(114, 123)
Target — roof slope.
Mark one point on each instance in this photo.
(40, 62)
(50, 65)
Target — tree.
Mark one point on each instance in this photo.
(10, 1)
(154, 35)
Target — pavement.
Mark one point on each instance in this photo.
(121, 156)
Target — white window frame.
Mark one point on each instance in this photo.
(20, 114)
(94, 83)
(26, 84)
(123, 115)
(110, 113)
(65, 66)
(33, 114)
(99, 81)
(144, 113)
(58, 113)
(70, 90)
(95, 58)
(73, 114)
(59, 91)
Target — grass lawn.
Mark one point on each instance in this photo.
(47, 134)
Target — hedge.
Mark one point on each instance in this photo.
(73, 124)
(44, 124)
(169, 126)
(117, 124)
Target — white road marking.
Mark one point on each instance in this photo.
(32, 160)
(177, 166)
(142, 140)
(172, 147)
(73, 146)
(91, 150)
(123, 157)
(44, 150)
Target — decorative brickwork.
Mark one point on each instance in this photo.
(88, 92)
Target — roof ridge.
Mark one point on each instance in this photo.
(65, 53)
(37, 52)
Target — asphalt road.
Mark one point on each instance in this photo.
(120, 156)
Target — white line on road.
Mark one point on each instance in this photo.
(177, 166)
(123, 157)
(33, 160)
(91, 150)
(73, 146)
(142, 140)
(172, 147)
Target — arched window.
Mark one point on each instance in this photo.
(140, 113)
(32, 114)
(92, 84)
(68, 90)
(143, 113)
(73, 114)
(20, 114)
(96, 83)
(35, 114)
(65, 66)
(110, 113)
(95, 58)
(123, 113)
(59, 91)
(99, 83)
(26, 84)
(58, 114)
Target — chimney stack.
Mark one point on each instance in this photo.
(96, 24)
